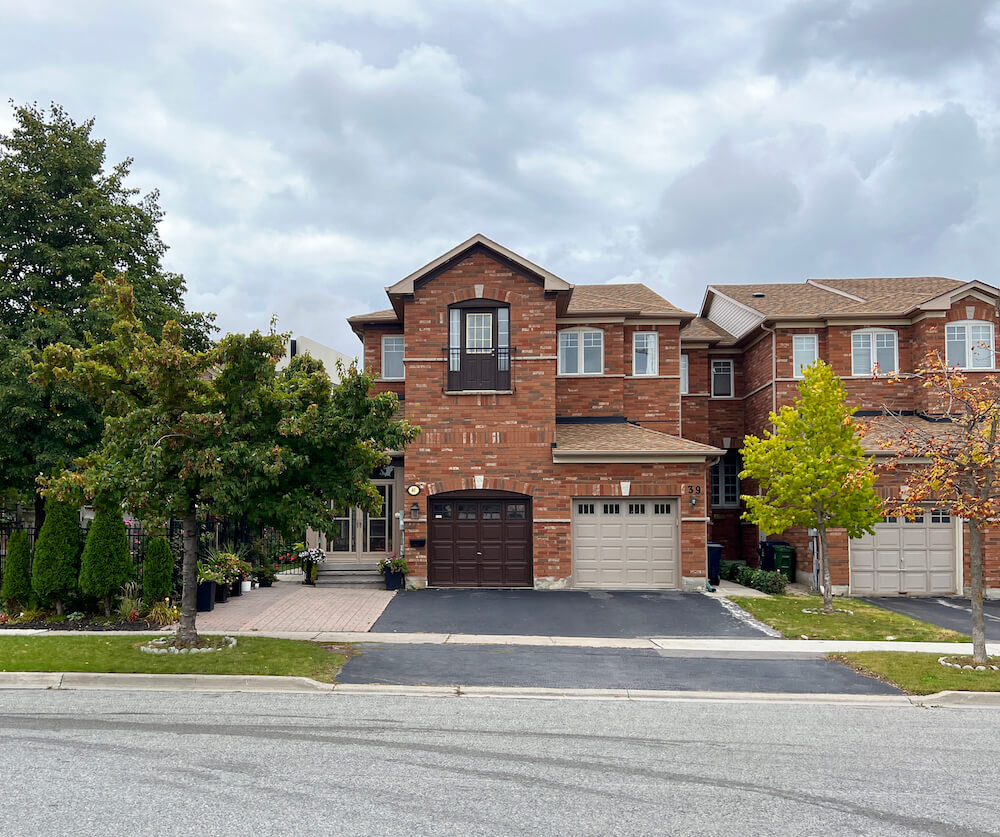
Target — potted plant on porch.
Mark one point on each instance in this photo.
(394, 569)
(209, 578)
(311, 558)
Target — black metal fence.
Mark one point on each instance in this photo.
(260, 545)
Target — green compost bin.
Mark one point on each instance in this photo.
(784, 560)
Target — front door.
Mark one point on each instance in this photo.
(479, 363)
(479, 541)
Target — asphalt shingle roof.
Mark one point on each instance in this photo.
(623, 437)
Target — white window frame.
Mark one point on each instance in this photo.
(797, 366)
(872, 334)
(685, 380)
(654, 360)
(732, 376)
(402, 354)
(581, 333)
(971, 344)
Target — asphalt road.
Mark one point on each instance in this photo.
(952, 613)
(188, 763)
(561, 613)
(602, 668)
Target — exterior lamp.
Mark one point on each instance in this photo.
(415, 511)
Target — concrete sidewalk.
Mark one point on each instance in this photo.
(769, 647)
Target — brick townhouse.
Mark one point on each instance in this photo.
(589, 435)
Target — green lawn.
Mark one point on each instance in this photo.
(921, 674)
(252, 655)
(868, 622)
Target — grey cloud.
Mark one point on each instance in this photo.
(906, 37)
(724, 198)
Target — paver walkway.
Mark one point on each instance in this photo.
(291, 607)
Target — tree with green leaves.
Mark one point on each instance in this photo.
(812, 470)
(953, 463)
(57, 554)
(16, 590)
(106, 563)
(65, 217)
(220, 431)
(157, 571)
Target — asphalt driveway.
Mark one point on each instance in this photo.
(602, 668)
(561, 613)
(952, 613)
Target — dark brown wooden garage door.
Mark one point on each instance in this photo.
(479, 540)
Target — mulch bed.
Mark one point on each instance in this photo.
(84, 625)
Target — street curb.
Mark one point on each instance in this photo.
(86, 681)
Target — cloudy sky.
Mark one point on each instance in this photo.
(309, 153)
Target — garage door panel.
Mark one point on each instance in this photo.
(625, 544)
(915, 557)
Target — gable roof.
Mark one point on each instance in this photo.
(826, 297)
(702, 330)
(635, 300)
(550, 281)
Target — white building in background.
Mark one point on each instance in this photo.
(305, 346)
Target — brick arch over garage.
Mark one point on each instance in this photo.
(488, 484)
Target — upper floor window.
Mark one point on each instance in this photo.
(873, 349)
(969, 344)
(722, 379)
(644, 361)
(392, 357)
(581, 351)
(685, 387)
(478, 346)
(805, 351)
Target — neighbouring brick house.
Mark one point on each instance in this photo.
(766, 333)
(589, 435)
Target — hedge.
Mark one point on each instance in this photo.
(16, 589)
(106, 564)
(157, 571)
(57, 554)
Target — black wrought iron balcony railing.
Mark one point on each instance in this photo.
(479, 369)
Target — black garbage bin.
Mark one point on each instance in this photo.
(767, 554)
(714, 562)
(784, 560)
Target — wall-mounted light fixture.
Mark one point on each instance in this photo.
(415, 511)
(694, 501)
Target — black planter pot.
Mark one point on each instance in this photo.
(394, 580)
(206, 596)
(221, 593)
(235, 589)
(307, 568)
(265, 582)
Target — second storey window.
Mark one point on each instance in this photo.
(478, 346)
(685, 387)
(581, 351)
(871, 349)
(722, 379)
(644, 360)
(805, 351)
(969, 345)
(392, 357)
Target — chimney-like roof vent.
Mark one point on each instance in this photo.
(758, 294)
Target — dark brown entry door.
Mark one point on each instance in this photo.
(479, 542)
(479, 362)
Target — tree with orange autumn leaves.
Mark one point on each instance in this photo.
(953, 462)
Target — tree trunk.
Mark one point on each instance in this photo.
(824, 568)
(978, 622)
(59, 606)
(187, 634)
(107, 605)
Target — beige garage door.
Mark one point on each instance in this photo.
(625, 543)
(914, 557)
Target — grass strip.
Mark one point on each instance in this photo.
(868, 622)
(121, 654)
(919, 673)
